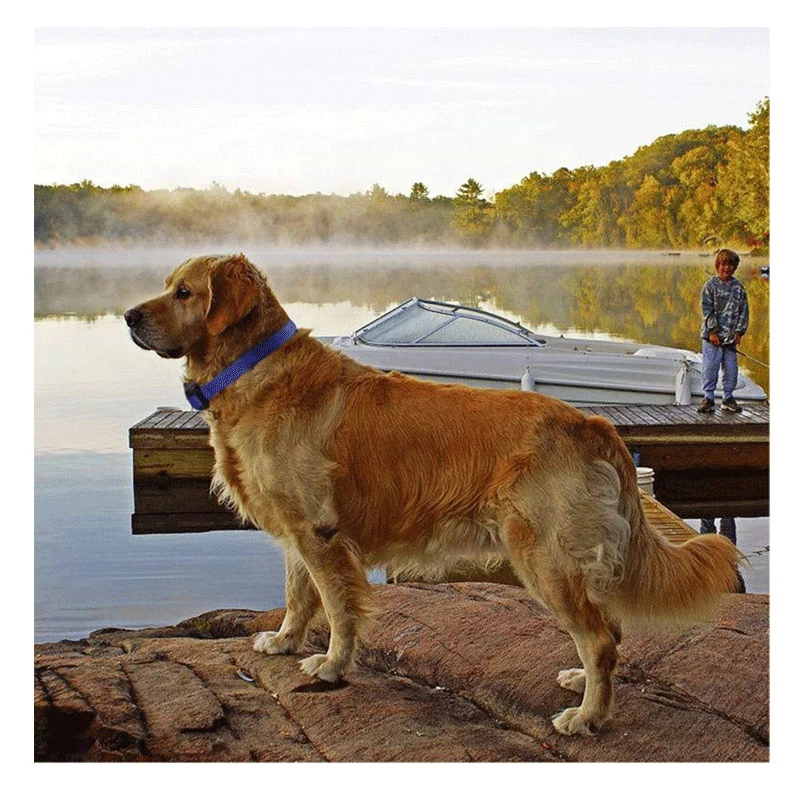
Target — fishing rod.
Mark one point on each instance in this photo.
(752, 359)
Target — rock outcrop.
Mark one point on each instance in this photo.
(450, 672)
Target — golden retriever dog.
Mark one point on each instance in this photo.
(350, 468)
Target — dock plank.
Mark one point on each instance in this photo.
(180, 463)
(167, 419)
(683, 422)
(623, 416)
(148, 421)
(665, 521)
(186, 419)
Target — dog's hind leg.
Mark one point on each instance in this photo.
(567, 598)
(575, 679)
(335, 567)
(598, 652)
(302, 602)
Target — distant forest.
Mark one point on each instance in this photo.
(696, 190)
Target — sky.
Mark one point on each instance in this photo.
(297, 110)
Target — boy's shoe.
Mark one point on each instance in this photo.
(706, 407)
(731, 405)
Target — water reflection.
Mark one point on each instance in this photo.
(727, 527)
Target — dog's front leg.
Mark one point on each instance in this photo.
(334, 565)
(302, 602)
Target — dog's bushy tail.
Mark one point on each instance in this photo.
(669, 582)
(662, 581)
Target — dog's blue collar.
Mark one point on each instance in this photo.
(199, 396)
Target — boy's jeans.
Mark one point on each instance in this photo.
(713, 358)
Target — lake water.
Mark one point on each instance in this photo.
(92, 384)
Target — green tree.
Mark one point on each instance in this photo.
(469, 193)
(419, 191)
(473, 217)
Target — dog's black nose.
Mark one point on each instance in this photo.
(133, 317)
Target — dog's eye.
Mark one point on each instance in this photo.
(181, 293)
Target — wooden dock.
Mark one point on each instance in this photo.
(709, 465)
(715, 465)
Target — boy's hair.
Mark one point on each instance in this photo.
(726, 258)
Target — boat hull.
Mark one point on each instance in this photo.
(580, 374)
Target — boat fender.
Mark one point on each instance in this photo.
(528, 384)
(683, 385)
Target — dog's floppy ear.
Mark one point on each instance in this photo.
(233, 293)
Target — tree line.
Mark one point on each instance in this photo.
(697, 189)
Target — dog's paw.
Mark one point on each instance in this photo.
(572, 679)
(571, 721)
(320, 666)
(273, 643)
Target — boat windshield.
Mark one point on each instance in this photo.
(428, 322)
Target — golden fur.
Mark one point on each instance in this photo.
(350, 468)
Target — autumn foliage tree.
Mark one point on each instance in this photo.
(743, 190)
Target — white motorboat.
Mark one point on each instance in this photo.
(455, 344)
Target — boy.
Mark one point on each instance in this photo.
(725, 319)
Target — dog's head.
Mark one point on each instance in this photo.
(205, 297)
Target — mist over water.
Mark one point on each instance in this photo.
(264, 256)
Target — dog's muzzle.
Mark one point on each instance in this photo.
(133, 318)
